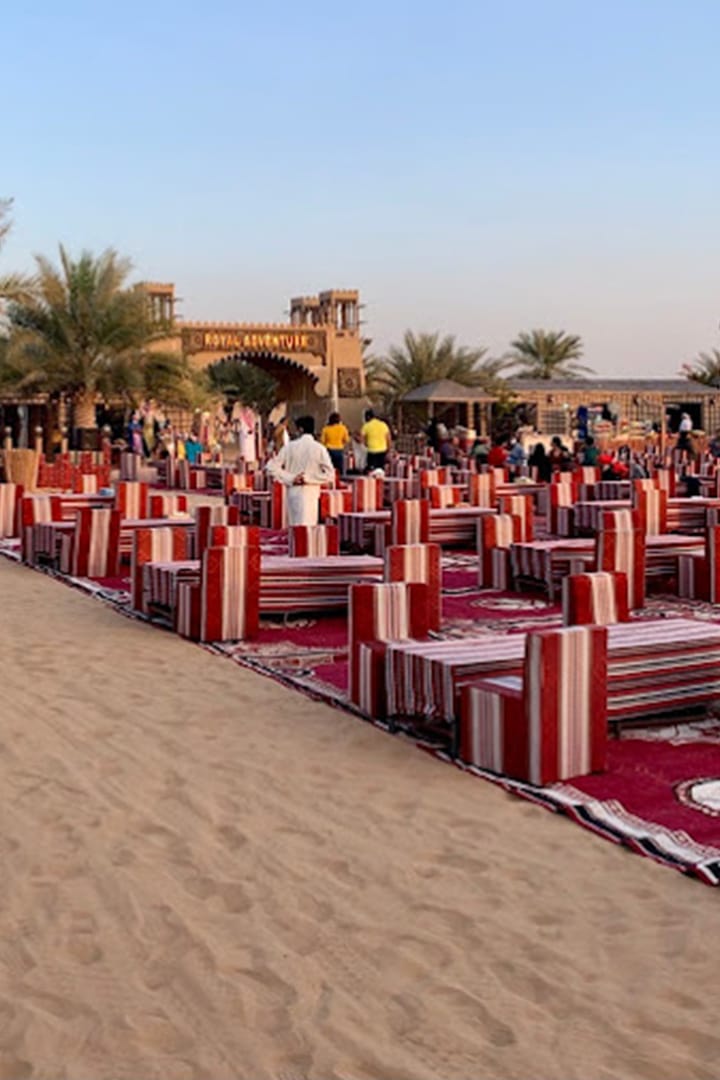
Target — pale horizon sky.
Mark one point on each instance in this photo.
(471, 168)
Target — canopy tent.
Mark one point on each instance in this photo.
(474, 402)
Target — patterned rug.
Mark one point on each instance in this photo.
(660, 795)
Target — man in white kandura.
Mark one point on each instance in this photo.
(302, 465)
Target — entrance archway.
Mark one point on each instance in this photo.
(295, 383)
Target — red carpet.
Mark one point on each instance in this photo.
(660, 795)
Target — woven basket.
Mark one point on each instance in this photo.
(21, 467)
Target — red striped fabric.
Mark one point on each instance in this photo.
(418, 563)
(520, 506)
(206, 517)
(278, 493)
(313, 541)
(620, 546)
(410, 521)
(96, 544)
(379, 614)
(10, 496)
(35, 509)
(596, 598)
(167, 505)
(230, 594)
(495, 531)
(652, 507)
(555, 727)
(163, 544)
(131, 499)
(482, 490)
(366, 493)
(333, 503)
(234, 535)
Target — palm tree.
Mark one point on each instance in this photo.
(242, 381)
(425, 358)
(548, 354)
(704, 369)
(12, 286)
(83, 333)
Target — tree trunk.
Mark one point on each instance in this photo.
(85, 410)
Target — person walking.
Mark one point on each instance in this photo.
(378, 440)
(302, 465)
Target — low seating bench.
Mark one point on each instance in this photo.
(547, 561)
(655, 667)
(452, 525)
(287, 585)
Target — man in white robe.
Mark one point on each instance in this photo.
(302, 466)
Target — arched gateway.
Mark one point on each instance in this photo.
(316, 357)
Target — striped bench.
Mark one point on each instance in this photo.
(655, 669)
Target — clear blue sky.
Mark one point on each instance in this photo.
(477, 168)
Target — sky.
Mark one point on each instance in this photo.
(472, 168)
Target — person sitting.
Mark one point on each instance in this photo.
(497, 456)
(589, 454)
(539, 463)
(516, 454)
(560, 457)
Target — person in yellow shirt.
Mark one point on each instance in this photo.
(335, 437)
(378, 440)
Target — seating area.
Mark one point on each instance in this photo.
(389, 568)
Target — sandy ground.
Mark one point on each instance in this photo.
(208, 876)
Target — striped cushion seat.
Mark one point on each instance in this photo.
(551, 724)
(495, 535)
(234, 535)
(278, 506)
(333, 503)
(699, 572)
(86, 483)
(410, 521)
(430, 478)
(482, 490)
(164, 544)
(35, 509)
(655, 668)
(420, 563)
(597, 598)
(161, 581)
(167, 505)
(562, 499)
(131, 499)
(367, 493)
(92, 550)
(294, 585)
(620, 546)
(548, 561)
(313, 540)
(445, 495)
(130, 465)
(224, 605)
(209, 515)
(519, 506)
(237, 482)
(652, 508)
(379, 614)
(10, 496)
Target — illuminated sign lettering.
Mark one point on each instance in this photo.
(288, 342)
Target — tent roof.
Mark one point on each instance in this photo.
(446, 390)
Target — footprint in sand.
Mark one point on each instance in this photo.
(81, 941)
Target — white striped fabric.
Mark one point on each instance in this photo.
(392, 613)
(574, 692)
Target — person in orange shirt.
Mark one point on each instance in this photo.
(335, 437)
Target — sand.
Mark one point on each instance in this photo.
(209, 876)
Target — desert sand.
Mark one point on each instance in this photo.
(208, 876)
